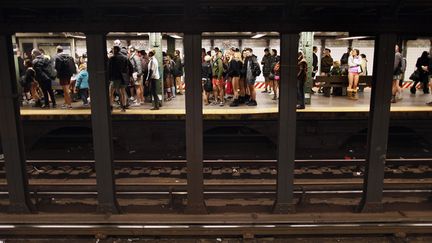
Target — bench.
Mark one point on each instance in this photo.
(328, 82)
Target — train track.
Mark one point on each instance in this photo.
(225, 169)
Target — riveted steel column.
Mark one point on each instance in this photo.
(287, 123)
(378, 123)
(101, 122)
(194, 124)
(11, 131)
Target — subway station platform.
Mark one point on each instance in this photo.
(266, 108)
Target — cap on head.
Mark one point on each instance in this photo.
(59, 48)
(117, 43)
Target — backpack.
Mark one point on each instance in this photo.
(256, 70)
(49, 69)
(66, 66)
(403, 65)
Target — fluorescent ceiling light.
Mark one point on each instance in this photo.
(353, 38)
(257, 36)
(176, 36)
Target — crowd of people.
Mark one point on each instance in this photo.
(227, 76)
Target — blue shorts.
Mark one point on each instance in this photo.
(251, 81)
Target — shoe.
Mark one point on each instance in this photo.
(154, 108)
(426, 91)
(123, 109)
(274, 98)
(413, 90)
(63, 106)
(54, 106)
(241, 100)
(264, 91)
(69, 107)
(135, 104)
(132, 98)
(393, 99)
(300, 107)
(235, 103)
(252, 103)
(429, 103)
(38, 103)
(221, 104)
(45, 106)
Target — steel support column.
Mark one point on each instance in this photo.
(287, 123)
(378, 123)
(194, 124)
(101, 123)
(11, 131)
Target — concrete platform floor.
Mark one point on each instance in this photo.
(319, 103)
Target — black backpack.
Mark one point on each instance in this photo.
(256, 70)
(66, 66)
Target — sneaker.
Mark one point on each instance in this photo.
(393, 99)
(252, 103)
(64, 106)
(429, 103)
(214, 103)
(221, 103)
(123, 108)
(54, 106)
(135, 104)
(155, 108)
(132, 98)
(234, 103)
(264, 91)
(45, 106)
(300, 107)
(69, 107)
(413, 90)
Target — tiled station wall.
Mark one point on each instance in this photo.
(337, 47)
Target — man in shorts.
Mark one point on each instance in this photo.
(252, 71)
(120, 72)
(65, 67)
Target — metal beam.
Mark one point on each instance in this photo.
(287, 123)
(11, 131)
(101, 121)
(194, 124)
(378, 123)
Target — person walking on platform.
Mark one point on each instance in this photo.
(326, 64)
(178, 72)
(217, 80)
(423, 73)
(301, 79)
(275, 72)
(45, 74)
(354, 63)
(253, 70)
(137, 79)
(397, 73)
(82, 84)
(266, 63)
(344, 61)
(152, 76)
(65, 66)
(364, 72)
(234, 70)
(206, 77)
(119, 71)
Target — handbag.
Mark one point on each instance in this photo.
(415, 76)
(360, 70)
